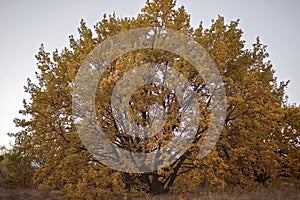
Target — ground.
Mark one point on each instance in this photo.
(282, 192)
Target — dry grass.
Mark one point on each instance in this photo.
(24, 194)
(282, 192)
(290, 192)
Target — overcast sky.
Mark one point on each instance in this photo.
(26, 24)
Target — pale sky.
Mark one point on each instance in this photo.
(26, 24)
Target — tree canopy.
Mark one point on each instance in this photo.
(260, 137)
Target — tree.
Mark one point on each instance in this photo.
(15, 169)
(247, 151)
(3, 173)
(289, 143)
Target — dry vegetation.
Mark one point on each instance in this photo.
(282, 193)
(285, 191)
(259, 142)
(30, 194)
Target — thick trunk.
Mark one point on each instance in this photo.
(152, 180)
(128, 180)
(156, 186)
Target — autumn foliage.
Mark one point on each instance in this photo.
(258, 144)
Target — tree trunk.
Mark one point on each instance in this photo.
(156, 186)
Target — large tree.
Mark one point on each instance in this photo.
(258, 129)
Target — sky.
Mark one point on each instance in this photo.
(26, 24)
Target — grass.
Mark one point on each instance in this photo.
(26, 194)
(291, 192)
(282, 192)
